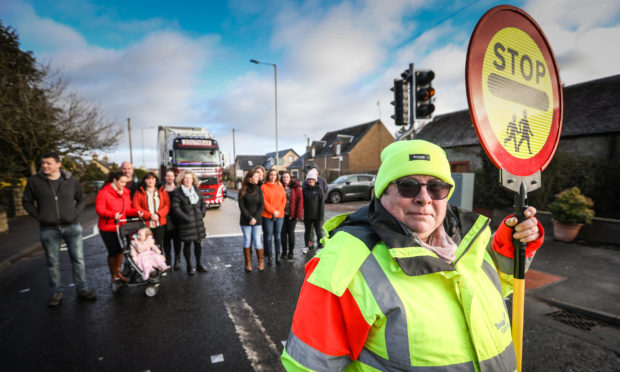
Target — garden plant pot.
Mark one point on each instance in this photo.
(564, 232)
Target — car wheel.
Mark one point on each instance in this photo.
(335, 197)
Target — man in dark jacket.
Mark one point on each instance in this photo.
(54, 197)
(133, 184)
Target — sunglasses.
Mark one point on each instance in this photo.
(410, 187)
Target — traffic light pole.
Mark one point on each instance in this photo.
(412, 103)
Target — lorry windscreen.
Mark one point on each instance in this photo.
(197, 156)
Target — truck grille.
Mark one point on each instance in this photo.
(208, 181)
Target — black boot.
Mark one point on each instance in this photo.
(188, 258)
(190, 269)
(177, 253)
(198, 254)
(167, 252)
(269, 262)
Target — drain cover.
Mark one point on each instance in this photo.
(573, 320)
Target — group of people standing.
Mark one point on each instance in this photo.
(272, 204)
(173, 211)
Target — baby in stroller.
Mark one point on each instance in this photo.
(145, 253)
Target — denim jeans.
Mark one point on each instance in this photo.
(50, 239)
(272, 229)
(252, 234)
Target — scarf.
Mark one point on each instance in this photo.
(191, 194)
(440, 243)
(152, 200)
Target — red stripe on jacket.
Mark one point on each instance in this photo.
(330, 324)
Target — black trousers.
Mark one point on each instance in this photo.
(171, 235)
(309, 223)
(288, 234)
(158, 235)
(187, 252)
(110, 240)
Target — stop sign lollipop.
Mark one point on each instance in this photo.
(515, 102)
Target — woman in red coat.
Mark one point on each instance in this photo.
(154, 204)
(113, 203)
(293, 211)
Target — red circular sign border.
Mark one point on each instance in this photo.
(491, 22)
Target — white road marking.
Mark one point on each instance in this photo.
(95, 233)
(218, 358)
(209, 236)
(257, 344)
(24, 290)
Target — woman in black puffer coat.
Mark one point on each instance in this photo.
(188, 208)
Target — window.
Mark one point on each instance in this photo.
(290, 158)
(312, 152)
(459, 166)
(337, 149)
(250, 163)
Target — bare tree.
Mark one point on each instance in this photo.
(38, 116)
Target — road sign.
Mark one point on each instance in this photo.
(514, 91)
(515, 101)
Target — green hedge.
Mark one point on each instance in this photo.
(597, 179)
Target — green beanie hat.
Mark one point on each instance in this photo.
(405, 158)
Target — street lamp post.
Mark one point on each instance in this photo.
(275, 78)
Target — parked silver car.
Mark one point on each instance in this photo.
(351, 186)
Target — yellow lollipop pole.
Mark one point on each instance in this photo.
(518, 295)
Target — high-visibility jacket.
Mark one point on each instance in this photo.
(375, 300)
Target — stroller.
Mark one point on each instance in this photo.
(126, 233)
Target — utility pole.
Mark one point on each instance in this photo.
(130, 149)
(234, 162)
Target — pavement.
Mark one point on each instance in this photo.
(578, 277)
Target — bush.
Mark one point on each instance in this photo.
(595, 177)
(571, 207)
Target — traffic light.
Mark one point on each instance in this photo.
(424, 93)
(401, 102)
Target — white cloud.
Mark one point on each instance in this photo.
(577, 15)
(334, 63)
(579, 34)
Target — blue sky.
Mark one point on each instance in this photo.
(187, 62)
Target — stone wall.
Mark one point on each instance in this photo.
(4, 222)
(15, 204)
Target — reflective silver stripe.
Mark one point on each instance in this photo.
(492, 274)
(504, 361)
(312, 358)
(505, 264)
(396, 338)
(376, 361)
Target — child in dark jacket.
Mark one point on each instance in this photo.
(314, 210)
